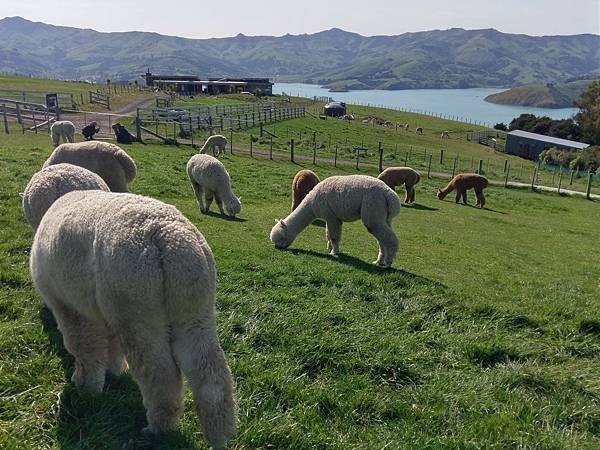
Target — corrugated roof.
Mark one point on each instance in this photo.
(549, 139)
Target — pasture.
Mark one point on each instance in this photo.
(486, 332)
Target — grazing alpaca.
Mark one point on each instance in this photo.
(396, 176)
(303, 183)
(406, 127)
(445, 135)
(345, 199)
(108, 160)
(51, 183)
(461, 183)
(419, 130)
(131, 281)
(62, 129)
(210, 180)
(216, 144)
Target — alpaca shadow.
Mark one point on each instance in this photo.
(117, 416)
(224, 217)
(356, 263)
(419, 207)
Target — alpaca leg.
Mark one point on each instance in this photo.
(333, 233)
(55, 139)
(464, 197)
(88, 342)
(412, 194)
(480, 198)
(70, 137)
(197, 351)
(208, 198)
(219, 203)
(458, 195)
(388, 244)
(198, 192)
(407, 196)
(148, 350)
(116, 359)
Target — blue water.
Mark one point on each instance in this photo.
(461, 104)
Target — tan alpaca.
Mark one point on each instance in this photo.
(130, 278)
(303, 183)
(462, 182)
(396, 176)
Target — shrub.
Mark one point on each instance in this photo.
(586, 159)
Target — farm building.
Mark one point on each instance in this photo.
(190, 85)
(530, 145)
(334, 109)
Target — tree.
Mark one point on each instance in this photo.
(588, 117)
(501, 126)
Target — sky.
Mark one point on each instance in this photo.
(198, 19)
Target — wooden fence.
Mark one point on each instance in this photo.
(100, 98)
(30, 116)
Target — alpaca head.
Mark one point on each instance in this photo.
(440, 194)
(233, 206)
(280, 235)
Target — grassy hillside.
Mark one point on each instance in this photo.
(454, 58)
(485, 334)
(542, 96)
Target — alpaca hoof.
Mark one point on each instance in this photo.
(204, 210)
(334, 254)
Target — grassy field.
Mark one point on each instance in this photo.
(486, 334)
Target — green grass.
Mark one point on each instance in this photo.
(484, 335)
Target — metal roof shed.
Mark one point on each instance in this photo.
(530, 145)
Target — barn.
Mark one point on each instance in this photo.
(530, 145)
(190, 85)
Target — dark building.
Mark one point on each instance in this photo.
(530, 145)
(190, 85)
(334, 109)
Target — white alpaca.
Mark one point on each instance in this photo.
(445, 135)
(51, 183)
(131, 281)
(345, 199)
(62, 129)
(109, 161)
(216, 143)
(210, 180)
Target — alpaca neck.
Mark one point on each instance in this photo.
(299, 219)
(447, 189)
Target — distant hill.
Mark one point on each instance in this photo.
(454, 58)
(541, 95)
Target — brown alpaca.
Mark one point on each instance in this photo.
(303, 183)
(396, 176)
(462, 182)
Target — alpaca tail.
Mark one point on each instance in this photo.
(393, 204)
(197, 351)
(128, 165)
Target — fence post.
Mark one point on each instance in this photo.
(251, 145)
(261, 129)
(138, 125)
(406, 159)
(429, 166)
(192, 130)
(357, 156)
(19, 120)
(535, 169)
(5, 119)
(454, 166)
(506, 171)
(335, 156)
(505, 165)
(480, 167)
(572, 175)
(231, 140)
(442, 157)
(292, 150)
(270, 147)
(560, 175)
(380, 157)
(588, 190)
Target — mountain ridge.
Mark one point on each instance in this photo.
(452, 58)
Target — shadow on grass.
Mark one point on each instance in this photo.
(361, 265)
(224, 217)
(113, 419)
(418, 207)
